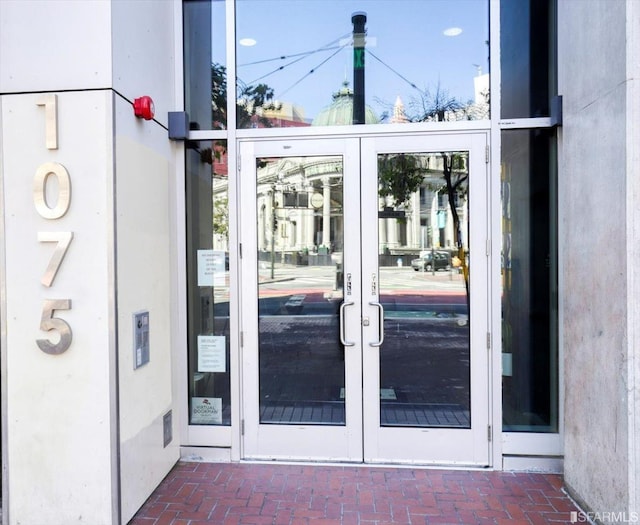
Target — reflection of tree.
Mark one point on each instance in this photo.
(435, 106)
(251, 100)
(219, 95)
(221, 217)
(399, 176)
(456, 178)
(440, 106)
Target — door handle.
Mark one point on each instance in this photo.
(380, 324)
(342, 339)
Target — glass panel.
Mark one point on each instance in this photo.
(208, 283)
(529, 274)
(300, 244)
(527, 55)
(423, 238)
(205, 74)
(419, 61)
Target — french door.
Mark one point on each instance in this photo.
(365, 299)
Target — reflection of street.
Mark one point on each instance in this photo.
(390, 277)
(403, 292)
(424, 367)
(301, 370)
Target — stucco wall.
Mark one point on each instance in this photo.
(83, 430)
(144, 47)
(633, 244)
(59, 422)
(144, 176)
(594, 202)
(48, 46)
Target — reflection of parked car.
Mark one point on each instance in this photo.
(441, 261)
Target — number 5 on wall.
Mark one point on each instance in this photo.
(48, 322)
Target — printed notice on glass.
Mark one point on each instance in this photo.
(211, 268)
(206, 410)
(212, 353)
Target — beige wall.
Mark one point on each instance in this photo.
(599, 234)
(54, 45)
(144, 176)
(60, 423)
(82, 430)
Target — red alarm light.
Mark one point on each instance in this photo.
(143, 108)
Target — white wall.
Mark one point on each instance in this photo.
(84, 430)
(144, 64)
(54, 45)
(143, 52)
(144, 177)
(597, 273)
(60, 420)
(633, 244)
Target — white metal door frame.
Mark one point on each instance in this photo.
(298, 442)
(443, 446)
(362, 438)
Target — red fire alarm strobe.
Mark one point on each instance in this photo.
(143, 108)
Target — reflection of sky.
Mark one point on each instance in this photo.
(407, 37)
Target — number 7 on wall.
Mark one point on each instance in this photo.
(64, 240)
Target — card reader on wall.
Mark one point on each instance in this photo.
(140, 339)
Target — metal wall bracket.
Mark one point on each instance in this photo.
(178, 125)
(556, 111)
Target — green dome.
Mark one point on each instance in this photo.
(340, 111)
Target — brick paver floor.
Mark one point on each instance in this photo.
(242, 493)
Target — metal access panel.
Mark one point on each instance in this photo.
(167, 428)
(140, 339)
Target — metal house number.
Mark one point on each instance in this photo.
(43, 174)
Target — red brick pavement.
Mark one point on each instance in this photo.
(257, 494)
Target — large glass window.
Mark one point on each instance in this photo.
(339, 62)
(208, 283)
(328, 62)
(529, 274)
(205, 71)
(425, 361)
(299, 265)
(527, 55)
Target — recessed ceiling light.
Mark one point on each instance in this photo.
(247, 42)
(452, 31)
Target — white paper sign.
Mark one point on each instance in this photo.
(211, 268)
(206, 410)
(212, 353)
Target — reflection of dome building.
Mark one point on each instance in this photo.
(300, 207)
(340, 111)
(426, 218)
(300, 204)
(300, 200)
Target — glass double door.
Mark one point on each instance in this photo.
(365, 299)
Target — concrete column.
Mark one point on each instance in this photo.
(392, 232)
(85, 240)
(600, 332)
(326, 212)
(307, 231)
(414, 229)
(382, 230)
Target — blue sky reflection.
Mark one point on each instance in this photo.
(407, 38)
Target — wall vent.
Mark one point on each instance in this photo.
(167, 428)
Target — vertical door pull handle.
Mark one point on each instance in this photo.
(342, 327)
(380, 324)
